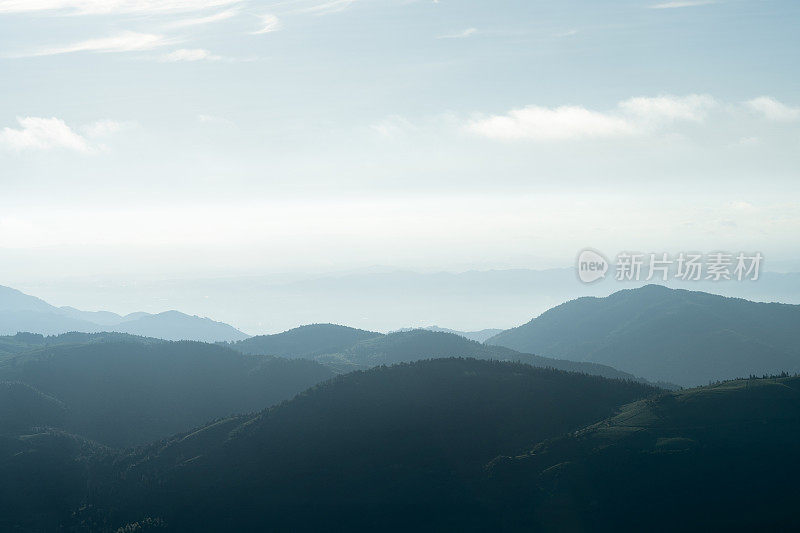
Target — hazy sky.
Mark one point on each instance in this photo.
(207, 137)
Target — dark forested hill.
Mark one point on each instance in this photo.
(718, 458)
(128, 393)
(305, 341)
(391, 447)
(679, 336)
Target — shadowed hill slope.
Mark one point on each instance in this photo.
(684, 337)
(720, 458)
(388, 447)
(129, 393)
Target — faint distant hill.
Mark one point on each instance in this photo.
(21, 312)
(478, 336)
(680, 336)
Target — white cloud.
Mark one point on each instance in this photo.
(42, 134)
(635, 116)
(329, 7)
(222, 15)
(693, 107)
(269, 24)
(459, 35)
(127, 41)
(104, 128)
(682, 3)
(773, 109)
(189, 54)
(544, 124)
(211, 119)
(91, 7)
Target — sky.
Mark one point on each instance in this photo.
(190, 138)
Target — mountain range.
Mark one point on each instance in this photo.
(23, 313)
(444, 444)
(345, 349)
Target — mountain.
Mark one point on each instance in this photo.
(679, 336)
(173, 325)
(388, 299)
(129, 392)
(305, 341)
(21, 312)
(720, 458)
(414, 345)
(478, 336)
(395, 448)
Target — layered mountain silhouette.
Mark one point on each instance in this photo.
(123, 391)
(346, 349)
(684, 337)
(20, 312)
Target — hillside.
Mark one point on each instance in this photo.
(414, 345)
(20, 312)
(22, 407)
(124, 393)
(718, 458)
(305, 341)
(391, 447)
(679, 336)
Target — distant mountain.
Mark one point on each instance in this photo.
(388, 299)
(418, 344)
(718, 458)
(132, 391)
(680, 336)
(392, 448)
(20, 312)
(305, 341)
(478, 336)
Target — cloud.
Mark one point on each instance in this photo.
(211, 119)
(222, 15)
(459, 35)
(328, 7)
(635, 116)
(773, 109)
(127, 41)
(682, 3)
(94, 7)
(189, 54)
(269, 23)
(104, 128)
(693, 107)
(42, 134)
(542, 123)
